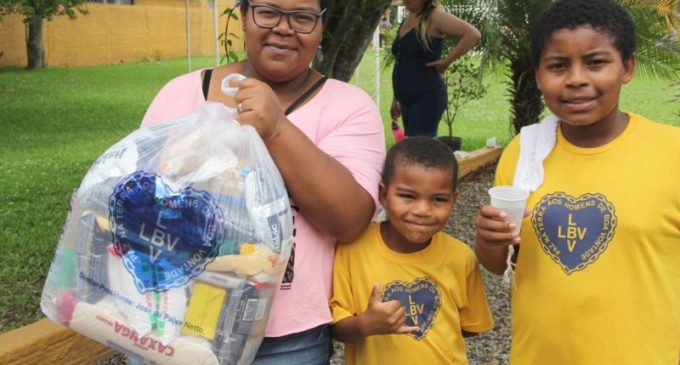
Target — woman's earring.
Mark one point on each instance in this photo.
(319, 54)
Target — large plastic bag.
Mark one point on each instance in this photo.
(176, 243)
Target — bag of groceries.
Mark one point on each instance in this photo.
(176, 243)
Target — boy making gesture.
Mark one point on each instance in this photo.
(405, 292)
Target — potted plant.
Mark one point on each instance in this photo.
(464, 82)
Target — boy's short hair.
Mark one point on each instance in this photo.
(604, 16)
(425, 151)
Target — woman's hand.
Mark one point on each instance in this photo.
(395, 109)
(440, 65)
(258, 105)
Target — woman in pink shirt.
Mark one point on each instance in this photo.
(327, 140)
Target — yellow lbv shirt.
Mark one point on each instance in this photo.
(598, 271)
(440, 287)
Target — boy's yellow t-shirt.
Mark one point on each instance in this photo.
(440, 287)
(598, 272)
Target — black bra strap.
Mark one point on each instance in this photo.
(206, 82)
(306, 95)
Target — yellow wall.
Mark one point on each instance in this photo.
(148, 30)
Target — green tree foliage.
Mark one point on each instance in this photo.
(228, 38)
(35, 12)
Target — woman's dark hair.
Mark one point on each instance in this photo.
(428, 152)
(604, 16)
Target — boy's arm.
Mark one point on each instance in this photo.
(474, 314)
(380, 318)
(349, 330)
(493, 231)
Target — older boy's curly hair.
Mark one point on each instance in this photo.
(428, 152)
(604, 16)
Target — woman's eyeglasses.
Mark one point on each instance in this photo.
(300, 21)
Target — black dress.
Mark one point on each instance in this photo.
(420, 89)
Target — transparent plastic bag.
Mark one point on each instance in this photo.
(176, 243)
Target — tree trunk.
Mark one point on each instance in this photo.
(34, 43)
(348, 33)
(527, 103)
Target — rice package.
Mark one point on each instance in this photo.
(176, 243)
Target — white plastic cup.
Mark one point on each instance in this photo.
(512, 201)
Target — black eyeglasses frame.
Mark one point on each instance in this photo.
(287, 13)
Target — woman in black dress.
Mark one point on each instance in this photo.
(420, 95)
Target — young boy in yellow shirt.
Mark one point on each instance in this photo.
(405, 292)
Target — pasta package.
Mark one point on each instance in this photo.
(176, 243)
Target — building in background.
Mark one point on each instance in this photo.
(117, 31)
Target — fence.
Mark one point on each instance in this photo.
(147, 31)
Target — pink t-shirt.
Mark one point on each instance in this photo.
(341, 120)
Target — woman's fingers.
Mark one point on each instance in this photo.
(258, 105)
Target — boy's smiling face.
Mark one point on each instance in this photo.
(580, 73)
(418, 201)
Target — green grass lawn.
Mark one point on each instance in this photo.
(56, 122)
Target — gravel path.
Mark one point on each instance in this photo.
(490, 348)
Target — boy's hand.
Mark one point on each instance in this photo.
(493, 236)
(493, 229)
(384, 318)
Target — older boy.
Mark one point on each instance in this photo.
(598, 272)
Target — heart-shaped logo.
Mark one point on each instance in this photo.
(574, 231)
(420, 299)
(165, 237)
